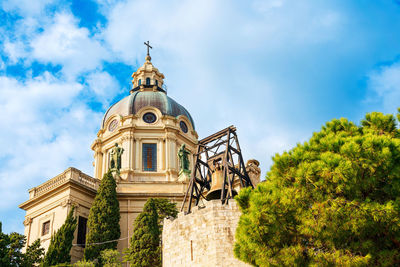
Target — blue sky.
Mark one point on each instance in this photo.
(276, 69)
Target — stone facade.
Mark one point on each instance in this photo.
(204, 237)
(150, 127)
(145, 172)
(50, 203)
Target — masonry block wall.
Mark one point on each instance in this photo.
(204, 237)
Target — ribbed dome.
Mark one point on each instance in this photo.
(139, 99)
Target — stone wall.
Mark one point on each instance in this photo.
(204, 237)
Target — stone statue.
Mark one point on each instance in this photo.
(116, 153)
(183, 158)
(253, 171)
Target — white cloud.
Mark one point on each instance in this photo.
(211, 50)
(103, 85)
(384, 84)
(63, 42)
(14, 50)
(48, 129)
(226, 62)
(172, 26)
(26, 7)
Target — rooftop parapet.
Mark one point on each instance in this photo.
(70, 174)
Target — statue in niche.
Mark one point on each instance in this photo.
(116, 153)
(183, 158)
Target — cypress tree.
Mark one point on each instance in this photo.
(103, 221)
(61, 242)
(165, 208)
(145, 249)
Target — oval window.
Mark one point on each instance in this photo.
(183, 126)
(113, 125)
(149, 117)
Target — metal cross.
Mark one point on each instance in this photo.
(148, 46)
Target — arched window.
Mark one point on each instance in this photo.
(140, 82)
(157, 82)
(147, 81)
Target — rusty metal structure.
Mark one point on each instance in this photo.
(218, 157)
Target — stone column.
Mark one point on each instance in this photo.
(105, 163)
(137, 156)
(174, 156)
(131, 153)
(125, 155)
(28, 223)
(98, 163)
(166, 153)
(98, 158)
(171, 151)
(160, 153)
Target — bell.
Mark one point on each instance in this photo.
(217, 181)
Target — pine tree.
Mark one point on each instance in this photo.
(4, 243)
(144, 248)
(15, 245)
(103, 221)
(332, 201)
(61, 242)
(11, 254)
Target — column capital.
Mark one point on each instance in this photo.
(171, 137)
(27, 221)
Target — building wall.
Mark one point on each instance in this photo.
(52, 200)
(131, 133)
(204, 237)
(131, 205)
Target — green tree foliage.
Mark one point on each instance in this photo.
(332, 201)
(4, 241)
(84, 263)
(165, 208)
(11, 254)
(103, 221)
(110, 258)
(144, 250)
(33, 255)
(16, 243)
(61, 242)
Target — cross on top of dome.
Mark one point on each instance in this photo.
(148, 52)
(148, 77)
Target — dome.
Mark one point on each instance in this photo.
(131, 104)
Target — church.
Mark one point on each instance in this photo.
(146, 130)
